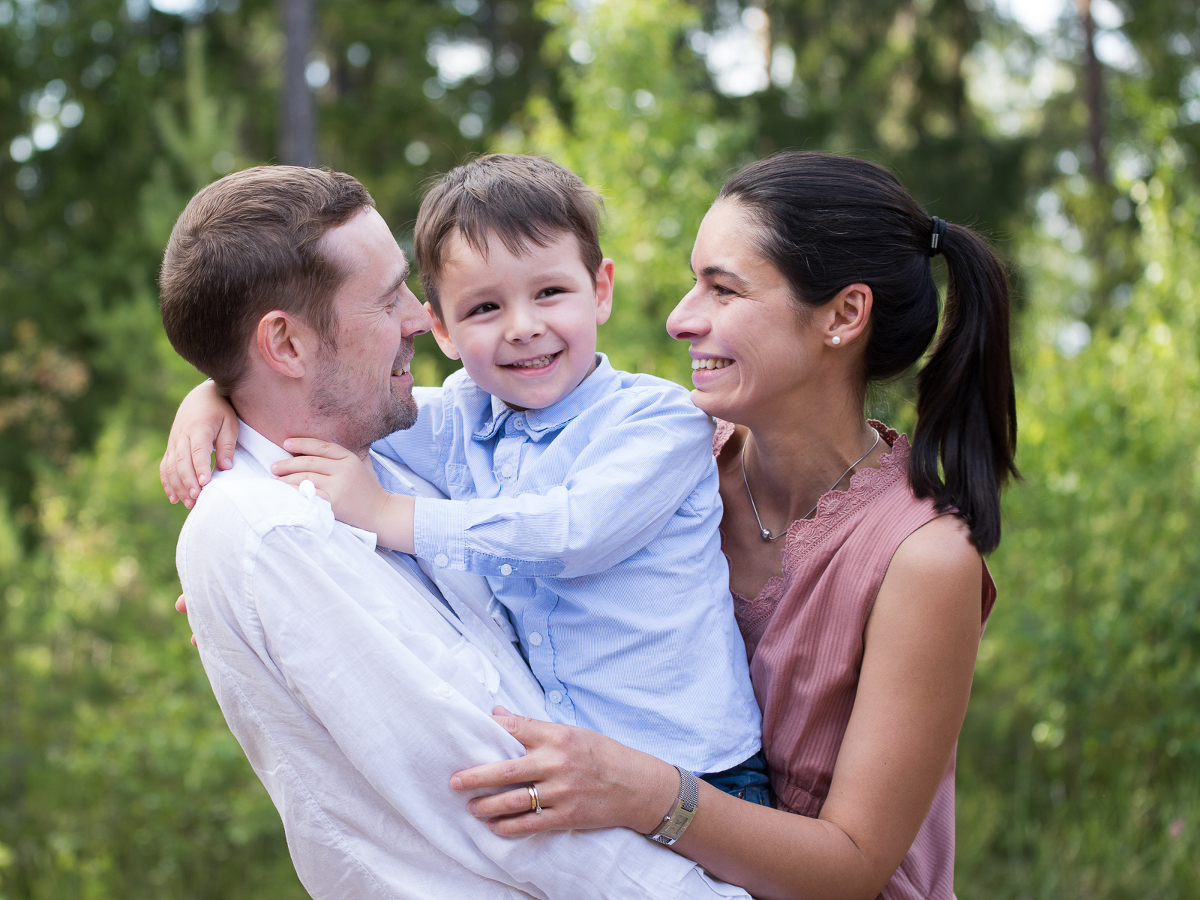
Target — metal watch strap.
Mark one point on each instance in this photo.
(680, 816)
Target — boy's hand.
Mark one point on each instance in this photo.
(350, 486)
(204, 419)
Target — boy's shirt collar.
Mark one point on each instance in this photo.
(538, 423)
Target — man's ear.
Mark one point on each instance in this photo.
(604, 291)
(440, 334)
(848, 314)
(285, 344)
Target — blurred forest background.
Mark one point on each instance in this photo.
(1068, 133)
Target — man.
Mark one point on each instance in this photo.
(355, 685)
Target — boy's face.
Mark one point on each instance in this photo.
(524, 326)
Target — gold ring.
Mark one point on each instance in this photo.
(535, 805)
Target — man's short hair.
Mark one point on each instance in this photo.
(246, 245)
(519, 199)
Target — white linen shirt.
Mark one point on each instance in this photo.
(595, 520)
(356, 692)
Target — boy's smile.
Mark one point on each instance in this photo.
(524, 326)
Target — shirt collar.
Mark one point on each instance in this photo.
(541, 422)
(266, 452)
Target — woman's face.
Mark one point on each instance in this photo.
(751, 348)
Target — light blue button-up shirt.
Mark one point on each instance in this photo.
(595, 521)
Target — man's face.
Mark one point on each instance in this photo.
(362, 386)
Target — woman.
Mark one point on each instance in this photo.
(856, 561)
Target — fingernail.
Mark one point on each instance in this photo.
(456, 783)
(195, 492)
(471, 807)
(287, 445)
(227, 463)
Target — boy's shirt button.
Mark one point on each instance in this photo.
(442, 560)
(554, 697)
(535, 638)
(518, 422)
(506, 470)
(506, 569)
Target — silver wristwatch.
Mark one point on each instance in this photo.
(680, 816)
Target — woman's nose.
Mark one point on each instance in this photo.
(685, 323)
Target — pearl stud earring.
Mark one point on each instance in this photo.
(837, 339)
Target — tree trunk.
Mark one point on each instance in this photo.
(1093, 93)
(297, 130)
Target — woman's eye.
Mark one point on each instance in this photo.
(721, 291)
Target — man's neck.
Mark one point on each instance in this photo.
(277, 420)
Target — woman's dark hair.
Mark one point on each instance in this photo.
(830, 221)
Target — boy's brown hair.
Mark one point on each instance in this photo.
(519, 199)
(248, 244)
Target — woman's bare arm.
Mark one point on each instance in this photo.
(918, 661)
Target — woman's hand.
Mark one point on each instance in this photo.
(583, 780)
(204, 420)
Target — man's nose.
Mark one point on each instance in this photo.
(416, 319)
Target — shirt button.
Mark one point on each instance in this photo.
(535, 639)
(506, 470)
(506, 569)
(494, 647)
(554, 697)
(518, 422)
(442, 560)
(445, 691)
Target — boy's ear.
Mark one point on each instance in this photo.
(604, 291)
(440, 334)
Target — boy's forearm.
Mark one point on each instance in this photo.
(396, 523)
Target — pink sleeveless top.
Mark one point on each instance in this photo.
(804, 638)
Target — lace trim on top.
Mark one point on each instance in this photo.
(804, 534)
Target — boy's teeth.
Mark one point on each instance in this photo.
(535, 363)
(710, 363)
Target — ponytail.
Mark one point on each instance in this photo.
(828, 221)
(966, 405)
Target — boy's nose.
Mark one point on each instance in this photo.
(523, 326)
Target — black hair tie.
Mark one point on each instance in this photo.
(939, 232)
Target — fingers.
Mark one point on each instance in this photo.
(201, 465)
(227, 442)
(164, 477)
(183, 471)
(181, 604)
(497, 774)
(314, 447)
(298, 465)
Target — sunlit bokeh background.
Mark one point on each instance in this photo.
(1066, 130)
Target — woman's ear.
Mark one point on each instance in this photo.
(440, 334)
(284, 343)
(848, 315)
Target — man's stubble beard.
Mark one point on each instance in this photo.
(356, 426)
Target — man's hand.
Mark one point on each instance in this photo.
(204, 419)
(181, 606)
(350, 486)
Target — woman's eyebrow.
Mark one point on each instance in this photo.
(718, 272)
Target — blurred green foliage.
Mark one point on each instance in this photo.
(1077, 763)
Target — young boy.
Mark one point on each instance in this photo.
(586, 496)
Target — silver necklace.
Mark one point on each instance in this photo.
(766, 535)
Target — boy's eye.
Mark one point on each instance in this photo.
(550, 292)
(481, 308)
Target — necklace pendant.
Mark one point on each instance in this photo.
(766, 535)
